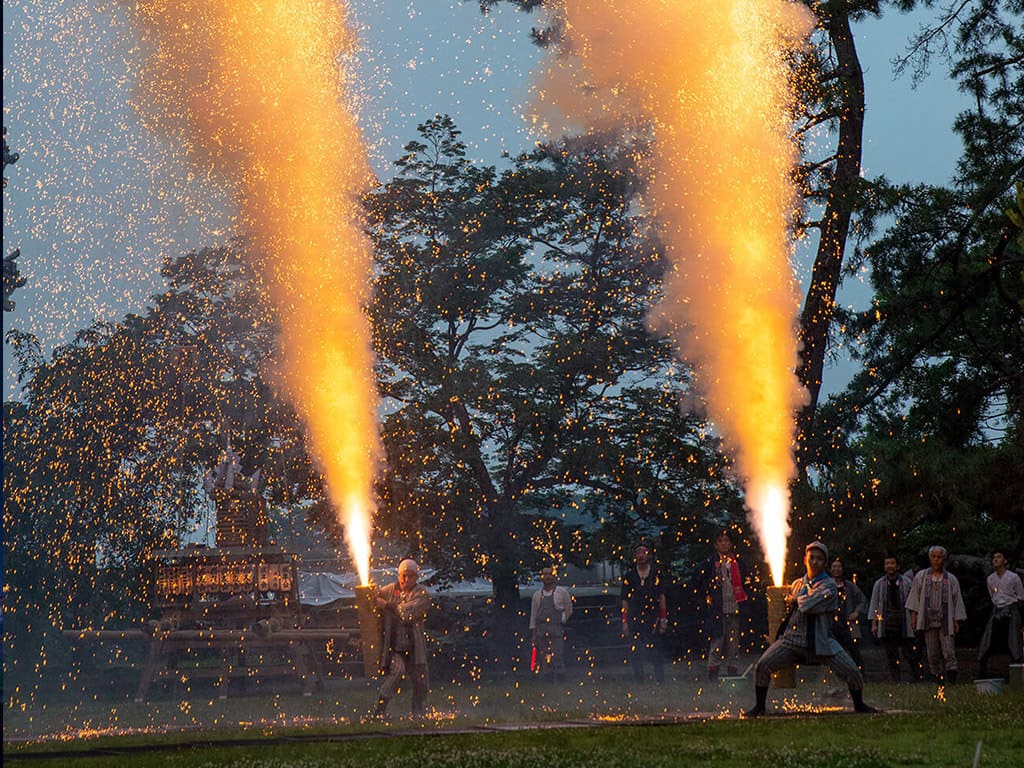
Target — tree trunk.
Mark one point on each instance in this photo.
(507, 628)
(503, 567)
(818, 307)
(505, 578)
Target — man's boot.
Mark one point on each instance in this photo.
(858, 702)
(761, 692)
(951, 676)
(381, 711)
(713, 674)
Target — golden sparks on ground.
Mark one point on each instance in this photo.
(710, 84)
(256, 94)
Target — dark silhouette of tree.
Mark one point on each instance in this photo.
(930, 434)
(930, 429)
(832, 95)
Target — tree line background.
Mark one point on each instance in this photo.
(522, 391)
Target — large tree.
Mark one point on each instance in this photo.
(950, 252)
(930, 434)
(515, 364)
(830, 98)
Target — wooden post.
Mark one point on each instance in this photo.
(369, 628)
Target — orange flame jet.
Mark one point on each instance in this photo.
(709, 81)
(255, 91)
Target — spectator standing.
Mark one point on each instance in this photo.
(936, 610)
(720, 582)
(852, 605)
(644, 612)
(550, 609)
(890, 620)
(1002, 632)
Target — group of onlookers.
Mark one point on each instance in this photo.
(824, 613)
(929, 606)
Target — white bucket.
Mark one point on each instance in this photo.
(989, 686)
(1017, 675)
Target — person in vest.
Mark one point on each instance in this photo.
(852, 605)
(890, 621)
(936, 610)
(550, 609)
(644, 612)
(403, 606)
(808, 634)
(720, 585)
(1002, 632)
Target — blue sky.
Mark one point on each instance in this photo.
(95, 201)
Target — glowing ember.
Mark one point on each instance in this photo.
(794, 707)
(254, 92)
(615, 717)
(710, 83)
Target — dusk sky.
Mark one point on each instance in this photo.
(95, 201)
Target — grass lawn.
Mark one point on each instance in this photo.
(600, 722)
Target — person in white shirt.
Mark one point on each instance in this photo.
(550, 609)
(1002, 632)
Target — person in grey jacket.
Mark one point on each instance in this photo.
(807, 636)
(890, 620)
(403, 606)
(936, 610)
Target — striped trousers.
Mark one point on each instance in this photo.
(940, 650)
(400, 665)
(780, 655)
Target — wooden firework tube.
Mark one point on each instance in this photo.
(777, 612)
(369, 627)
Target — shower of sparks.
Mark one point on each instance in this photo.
(710, 83)
(95, 203)
(255, 94)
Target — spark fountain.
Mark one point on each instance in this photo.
(256, 94)
(709, 84)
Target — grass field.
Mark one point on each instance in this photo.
(595, 723)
